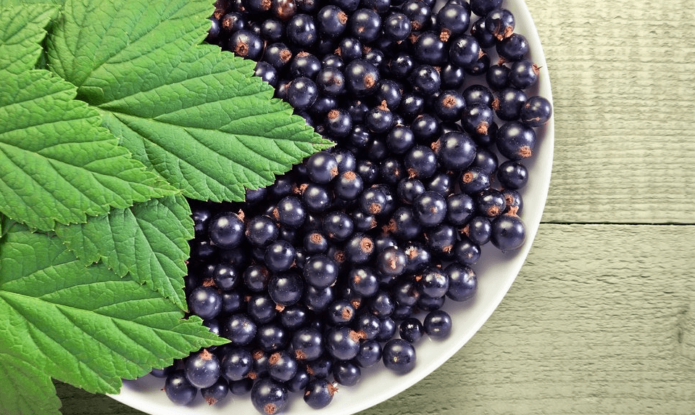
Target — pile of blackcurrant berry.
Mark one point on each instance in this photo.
(311, 278)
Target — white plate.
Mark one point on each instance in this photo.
(496, 272)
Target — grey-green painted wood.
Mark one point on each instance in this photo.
(601, 320)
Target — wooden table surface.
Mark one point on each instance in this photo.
(601, 319)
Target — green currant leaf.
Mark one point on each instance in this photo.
(191, 112)
(25, 390)
(57, 164)
(21, 31)
(147, 241)
(85, 325)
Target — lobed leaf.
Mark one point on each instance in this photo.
(192, 113)
(85, 325)
(22, 29)
(25, 390)
(57, 164)
(148, 241)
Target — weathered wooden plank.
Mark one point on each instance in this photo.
(601, 320)
(622, 74)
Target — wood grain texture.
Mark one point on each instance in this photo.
(600, 321)
(622, 74)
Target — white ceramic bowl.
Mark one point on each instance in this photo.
(496, 272)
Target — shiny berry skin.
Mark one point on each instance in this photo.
(278, 55)
(401, 66)
(434, 282)
(362, 78)
(272, 30)
(512, 175)
(396, 27)
(226, 230)
(279, 256)
(261, 308)
(338, 226)
(409, 189)
(477, 119)
(367, 324)
(455, 151)
(452, 21)
(331, 21)
(379, 119)
(430, 209)
(452, 77)
(449, 105)
(478, 94)
(369, 354)
(215, 393)
(365, 25)
(319, 393)
(426, 128)
(419, 14)
(256, 278)
(315, 243)
(320, 271)
(391, 171)
(349, 49)
(307, 344)
(523, 74)
(460, 209)
(241, 387)
(294, 317)
(240, 329)
(490, 203)
(299, 382)
(232, 22)
(373, 201)
(322, 167)
(438, 324)
(429, 49)
(266, 72)
(536, 111)
(425, 80)
(500, 23)
(302, 93)
(480, 67)
(441, 241)
(282, 366)
(411, 330)
(382, 305)
(464, 51)
(509, 104)
(331, 82)
(342, 343)
(466, 251)
(420, 162)
(485, 39)
(473, 181)
(246, 44)
(363, 281)
(359, 249)
(346, 373)
(479, 230)
(463, 283)
(513, 48)
(202, 369)
(508, 232)
(205, 302)
(486, 161)
(399, 356)
(387, 329)
(497, 77)
(404, 224)
(516, 140)
(179, 390)
(272, 337)
(226, 277)
(231, 302)
(269, 397)
(261, 231)
(304, 64)
(162, 373)
(286, 289)
(483, 7)
(236, 363)
(301, 30)
(316, 198)
(425, 303)
(391, 261)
